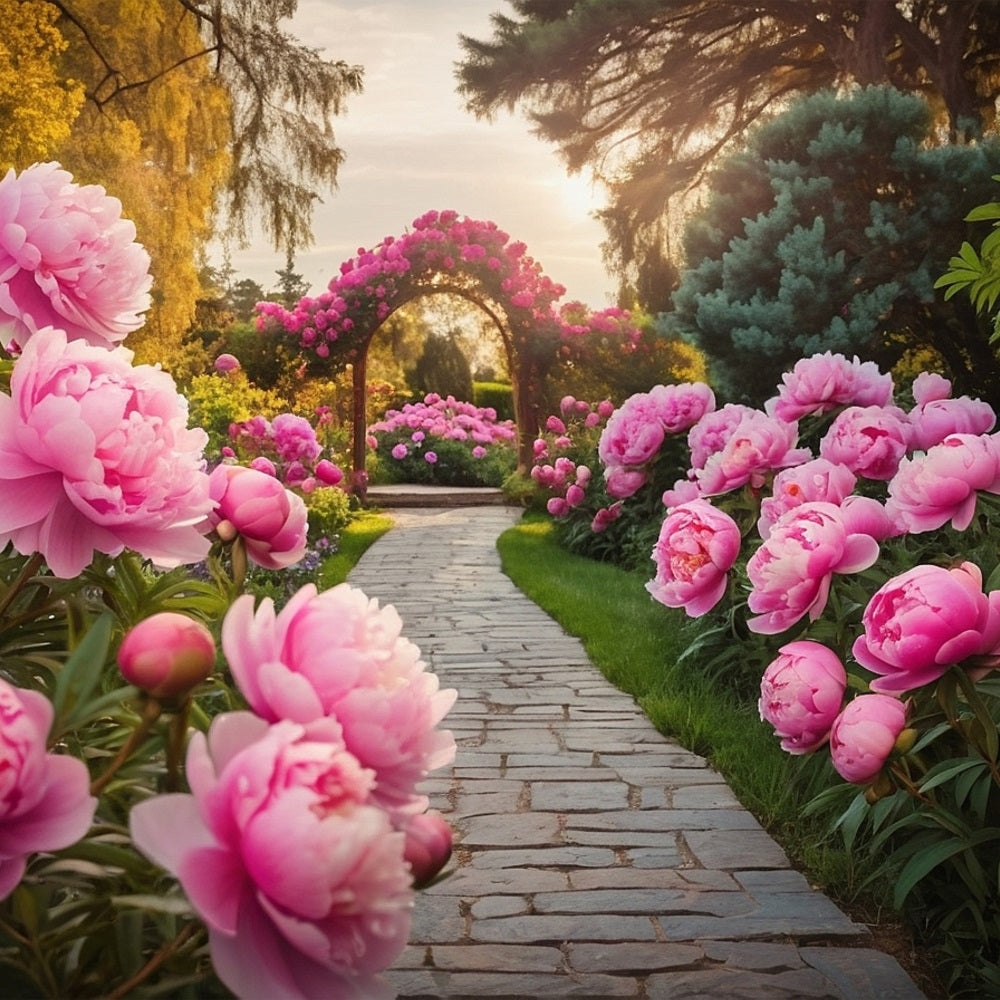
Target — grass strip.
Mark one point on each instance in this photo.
(366, 528)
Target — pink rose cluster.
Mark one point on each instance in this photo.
(286, 448)
(406, 430)
(304, 832)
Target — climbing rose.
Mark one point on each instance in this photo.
(801, 693)
(697, 547)
(864, 734)
(825, 381)
(792, 571)
(167, 654)
(337, 653)
(924, 620)
(68, 260)
(96, 456)
(271, 520)
(300, 879)
(45, 801)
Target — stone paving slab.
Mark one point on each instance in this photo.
(593, 857)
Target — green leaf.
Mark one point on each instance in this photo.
(176, 906)
(922, 863)
(81, 673)
(984, 213)
(946, 770)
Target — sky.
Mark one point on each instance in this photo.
(411, 146)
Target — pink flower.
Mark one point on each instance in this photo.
(478, 451)
(45, 803)
(96, 456)
(68, 260)
(801, 693)
(428, 846)
(605, 517)
(930, 490)
(430, 457)
(864, 734)
(869, 440)
(710, 434)
(328, 473)
(399, 451)
(300, 879)
(621, 482)
(336, 653)
(263, 464)
(271, 520)
(295, 438)
(818, 479)
(167, 654)
(697, 547)
(924, 620)
(825, 381)
(633, 434)
(683, 491)
(930, 386)
(935, 419)
(226, 363)
(756, 445)
(557, 506)
(792, 571)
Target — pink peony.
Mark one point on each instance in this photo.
(792, 571)
(271, 520)
(96, 456)
(328, 473)
(824, 382)
(300, 879)
(869, 440)
(622, 483)
(819, 479)
(924, 620)
(226, 363)
(697, 547)
(605, 517)
(930, 386)
(45, 803)
(428, 846)
(399, 451)
(713, 430)
(935, 419)
(68, 259)
(801, 693)
(930, 490)
(864, 734)
(430, 457)
(167, 654)
(757, 445)
(336, 653)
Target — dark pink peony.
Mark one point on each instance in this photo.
(45, 801)
(96, 456)
(869, 440)
(301, 880)
(337, 653)
(68, 260)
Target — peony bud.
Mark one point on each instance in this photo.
(428, 846)
(167, 654)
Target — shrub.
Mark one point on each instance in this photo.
(217, 401)
(329, 509)
(497, 396)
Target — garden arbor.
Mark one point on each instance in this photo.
(448, 253)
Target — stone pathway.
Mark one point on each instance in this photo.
(593, 856)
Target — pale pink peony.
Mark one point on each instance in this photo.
(96, 456)
(792, 571)
(818, 479)
(757, 445)
(710, 434)
(300, 879)
(930, 386)
(166, 654)
(697, 547)
(45, 803)
(67, 259)
(940, 486)
(271, 520)
(824, 382)
(935, 419)
(801, 693)
(336, 653)
(864, 734)
(924, 620)
(869, 440)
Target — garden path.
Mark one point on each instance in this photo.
(593, 856)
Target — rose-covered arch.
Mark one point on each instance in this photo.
(449, 253)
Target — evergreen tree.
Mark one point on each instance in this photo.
(442, 368)
(291, 286)
(827, 233)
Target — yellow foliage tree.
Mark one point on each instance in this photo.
(37, 103)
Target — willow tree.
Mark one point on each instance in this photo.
(648, 93)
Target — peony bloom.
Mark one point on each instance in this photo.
(45, 803)
(755, 446)
(864, 734)
(924, 620)
(824, 382)
(271, 520)
(801, 693)
(399, 451)
(68, 259)
(622, 483)
(930, 490)
(428, 846)
(697, 547)
(819, 479)
(96, 456)
(300, 879)
(791, 572)
(869, 440)
(633, 434)
(605, 517)
(328, 473)
(935, 419)
(713, 430)
(336, 653)
(430, 457)
(226, 363)
(167, 654)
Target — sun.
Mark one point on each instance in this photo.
(579, 195)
